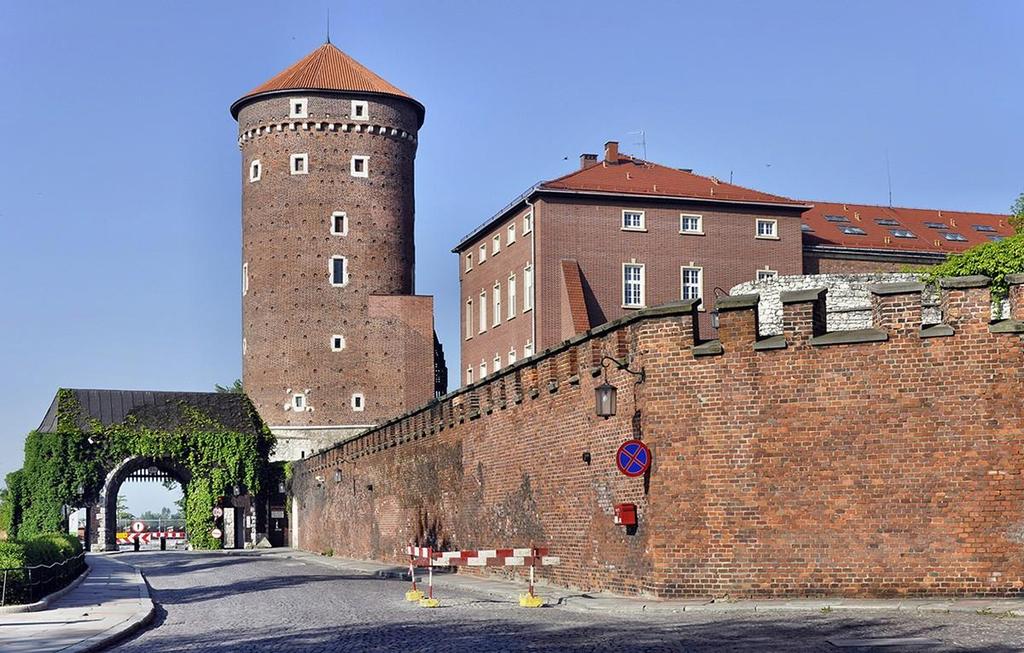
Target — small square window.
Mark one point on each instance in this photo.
(528, 349)
(299, 164)
(766, 274)
(339, 271)
(339, 223)
(481, 253)
(483, 369)
(298, 402)
(358, 402)
(691, 223)
(255, 170)
(469, 261)
(469, 376)
(528, 223)
(767, 228)
(337, 343)
(495, 244)
(496, 363)
(360, 166)
(952, 235)
(633, 221)
(298, 108)
(360, 110)
(902, 233)
(510, 236)
(511, 355)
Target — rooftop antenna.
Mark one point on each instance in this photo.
(643, 141)
(328, 24)
(888, 176)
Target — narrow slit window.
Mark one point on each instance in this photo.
(299, 164)
(339, 223)
(339, 271)
(255, 170)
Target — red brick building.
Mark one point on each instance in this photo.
(615, 236)
(334, 339)
(620, 233)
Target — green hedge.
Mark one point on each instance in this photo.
(43, 549)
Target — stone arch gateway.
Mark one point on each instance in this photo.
(106, 505)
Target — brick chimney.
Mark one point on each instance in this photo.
(611, 152)
(587, 161)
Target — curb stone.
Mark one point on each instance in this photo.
(45, 602)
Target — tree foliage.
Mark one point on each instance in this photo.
(58, 464)
(1017, 211)
(234, 388)
(995, 260)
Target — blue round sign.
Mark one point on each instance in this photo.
(633, 458)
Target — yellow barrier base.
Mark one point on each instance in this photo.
(429, 603)
(413, 595)
(527, 601)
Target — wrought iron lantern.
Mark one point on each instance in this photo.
(605, 395)
(605, 399)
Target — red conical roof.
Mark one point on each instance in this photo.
(327, 69)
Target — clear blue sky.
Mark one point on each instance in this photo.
(119, 179)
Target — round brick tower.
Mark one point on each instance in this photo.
(327, 247)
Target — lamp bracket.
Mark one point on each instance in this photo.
(624, 366)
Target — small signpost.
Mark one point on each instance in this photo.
(216, 534)
(138, 526)
(633, 458)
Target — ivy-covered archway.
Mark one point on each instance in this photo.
(90, 440)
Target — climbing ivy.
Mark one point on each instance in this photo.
(58, 464)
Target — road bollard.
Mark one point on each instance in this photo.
(430, 601)
(531, 600)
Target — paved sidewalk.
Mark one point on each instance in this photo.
(612, 603)
(112, 602)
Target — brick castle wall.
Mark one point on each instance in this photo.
(884, 461)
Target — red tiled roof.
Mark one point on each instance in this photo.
(327, 69)
(975, 228)
(636, 176)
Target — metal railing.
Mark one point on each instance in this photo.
(31, 583)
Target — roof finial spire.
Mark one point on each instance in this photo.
(328, 24)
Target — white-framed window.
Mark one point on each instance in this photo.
(496, 301)
(358, 402)
(338, 270)
(767, 228)
(469, 375)
(528, 349)
(511, 309)
(339, 223)
(527, 288)
(510, 233)
(337, 342)
(633, 291)
(255, 170)
(483, 311)
(633, 220)
(360, 110)
(766, 273)
(469, 319)
(481, 253)
(298, 107)
(299, 164)
(495, 244)
(298, 402)
(469, 261)
(511, 355)
(496, 363)
(360, 166)
(691, 223)
(528, 223)
(483, 368)
(691, 282)
(245, 279)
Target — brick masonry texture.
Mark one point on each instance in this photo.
(291, 311)
(888, 465)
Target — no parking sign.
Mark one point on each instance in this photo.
(633, 458)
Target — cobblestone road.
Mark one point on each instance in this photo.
(217, 602)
